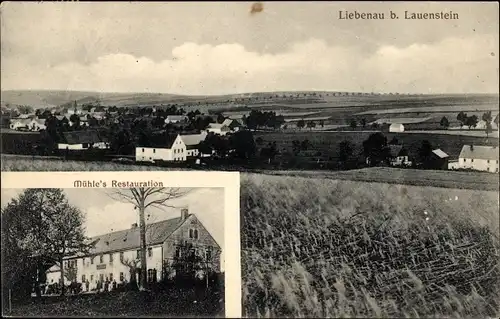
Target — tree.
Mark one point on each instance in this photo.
(375, 148)
(353, 123)
(471, 121)
(487, 117)
(47, 228)
(311, 124)
(424, 152)
(462, 118)
(394, 141)
(322, 123)
(243, 144)
(363, 122)
(496, 120)
(444, 122)
(346, 149)
(488, 129)
(301, 124)
(220, 118)
(142, 198)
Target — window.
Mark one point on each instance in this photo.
(143, 150)
(488, 161)
(121, 256)
(66, 264)
(111, 277)
(101, 259)
(177, 252)
(150, 275)
(209, 253)
(190, 233)
(110, 258)
(92, 260)
(472, 160)
(150, 252)
(121, 277)
(101, 277)
(154, 150)
(91, 278)
(196, 234)
(83, 278)
(138, 254)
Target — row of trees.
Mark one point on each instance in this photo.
(257, 119)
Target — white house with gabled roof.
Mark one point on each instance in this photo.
(113, 252)
(479, 157)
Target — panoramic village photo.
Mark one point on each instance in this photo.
(368, 152)
(75, 252)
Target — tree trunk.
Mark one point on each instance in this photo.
(62, 276)
(142, 225)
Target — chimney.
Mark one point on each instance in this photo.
(472, 147)
(134, 225)
(184, 214)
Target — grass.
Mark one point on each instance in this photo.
(323, 248)
(126, 304)
(328, 142)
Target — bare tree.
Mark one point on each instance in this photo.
(143, 198)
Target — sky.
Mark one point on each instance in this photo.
(222, 48)
(103, 214)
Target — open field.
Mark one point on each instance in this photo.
(125, 304)
(472, 133)
(323, 248)
(447, 179)
(440, 108)
(327, 142)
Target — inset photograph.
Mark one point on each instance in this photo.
(146, 251)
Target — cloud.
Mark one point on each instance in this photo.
(195, 68)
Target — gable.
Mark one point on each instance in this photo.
(192, 222)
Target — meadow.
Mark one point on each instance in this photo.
(327, 143)
(329, 248)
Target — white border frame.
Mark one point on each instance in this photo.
(230, 181)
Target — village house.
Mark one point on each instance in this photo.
(171, 119)
(232, 124)
(37, 124)
(19, 123)
(177, 149)
(398, 156)
(479, 157)
(82, 140)
(438, 160)
(114, 253)
(219, 129)
(396, 128)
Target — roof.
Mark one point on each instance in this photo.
(20, 120)
(60, 117)
(397, 150)
(227, 122)
(163, 140)
(127, 239)
(440, 153)
(218, 126)
(80, 137)
(193, 139)
(479, 152)
(396, 124)
(176, 117)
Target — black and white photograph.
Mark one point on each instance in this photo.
(128, 251)
(365, 135)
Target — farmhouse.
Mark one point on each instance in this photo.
(82, 140)
(438, 160)
(114, 253)
(19, 123)
(37, 124)
(234, 125)
(396, 127)
(219, 129)
(398, 156)
(174, 148)
(176, 119)
(479, 157)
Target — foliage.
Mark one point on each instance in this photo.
(257, 119)
(471, 121)
(462, 118)
(375, 148)
(444, 122)
(424, 152)
(346, 150)
(353, 123)
(301, 123)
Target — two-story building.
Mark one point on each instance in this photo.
(177, 149)
(114, 254)
(479, 157)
